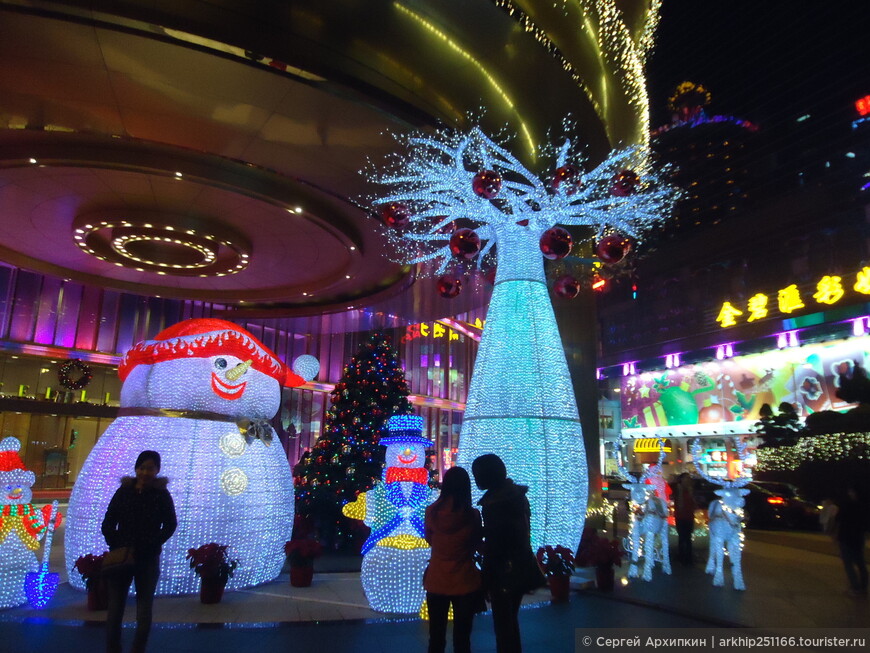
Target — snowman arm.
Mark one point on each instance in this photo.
(356, 509)
(46, 516)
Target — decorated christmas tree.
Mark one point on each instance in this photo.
(346, 459)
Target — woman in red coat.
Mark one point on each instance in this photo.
(454, 531)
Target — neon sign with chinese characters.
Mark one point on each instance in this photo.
(828, 290)
(441, 330)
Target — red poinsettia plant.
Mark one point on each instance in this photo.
(597, 551)
(90, 566)
(303, 552)
(556, 560)
(212, 561)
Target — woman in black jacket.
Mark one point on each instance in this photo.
(140, 515)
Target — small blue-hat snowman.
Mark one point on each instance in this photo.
(395, 555)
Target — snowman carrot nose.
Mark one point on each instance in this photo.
(238, 370)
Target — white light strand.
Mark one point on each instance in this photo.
(521, 403)
(21, 527)
(225, 490)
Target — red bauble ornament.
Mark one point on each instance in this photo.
(465, 244)
(625, 183)
(486, 184)
(449, 287)
(395, 214)
(613, 248)
(556, 243)
(567, 287)
(569, 175)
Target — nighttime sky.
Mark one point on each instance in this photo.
(764, 60)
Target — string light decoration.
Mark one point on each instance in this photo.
(395, 554)
(74, 374)
(22, 525)
(829, 447)
(648, 522)
(192, 394)
(604, 32)
(521, 403)
(725, 519)
(347, 460)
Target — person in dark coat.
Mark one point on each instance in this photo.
(850, 529)
(684, 516)
(140, 515)
(454, 531)
(509, 566)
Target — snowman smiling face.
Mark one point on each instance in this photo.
(16, 487)
(226, 376)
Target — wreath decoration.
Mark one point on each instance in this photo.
(74, 374)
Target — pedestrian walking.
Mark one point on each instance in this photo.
(509, 566)
(851, 525)
(684, 516)
(139, 520)
(454, 531)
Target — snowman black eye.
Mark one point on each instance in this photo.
(220, 363)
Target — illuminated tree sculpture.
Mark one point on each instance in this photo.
(521, 403)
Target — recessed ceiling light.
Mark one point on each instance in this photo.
(305, 294)
(178, 175)
(347, 276)
(352, 248)
(32, 160)
(298, 209)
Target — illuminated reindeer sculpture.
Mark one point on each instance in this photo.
(649, 520)
(725, 520)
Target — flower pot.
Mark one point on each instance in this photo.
(98, 595)
(559, 587)
(212, 589)
(301, 575)
(604, 576)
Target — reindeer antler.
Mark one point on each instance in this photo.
(741, 448)
(630, 477)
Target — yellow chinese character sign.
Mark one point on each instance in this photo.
(862, 284)
(727, 315)
(757, 307)
(789, 299)
(829, 290)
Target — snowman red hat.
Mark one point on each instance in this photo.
(10, 461)
(206, 337)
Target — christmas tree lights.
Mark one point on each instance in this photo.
(521, 403)
(200, 394)
(347, 460)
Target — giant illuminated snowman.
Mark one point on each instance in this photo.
(22, 525)
(395, 554)
(201, 394)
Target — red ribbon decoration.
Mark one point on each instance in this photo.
(413, 474)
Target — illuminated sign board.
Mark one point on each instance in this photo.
(828, 290)
(436, 330)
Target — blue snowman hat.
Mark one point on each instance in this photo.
(406, 429)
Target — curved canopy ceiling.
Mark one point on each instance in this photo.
(216, 154)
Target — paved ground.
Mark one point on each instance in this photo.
(793, 580)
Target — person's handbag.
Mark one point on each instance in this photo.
(518, 574)
(118, 560)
